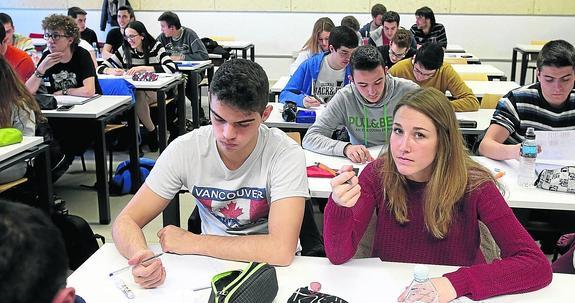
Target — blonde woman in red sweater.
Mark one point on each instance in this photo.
(429, 197)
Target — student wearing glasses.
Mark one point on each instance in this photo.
(364, 107)
(427, 69)
(65, 69)
(140, 53)
(318, 78)
(429, 197)
(398, 49)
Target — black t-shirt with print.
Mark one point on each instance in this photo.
(71, 74)
(115, 39)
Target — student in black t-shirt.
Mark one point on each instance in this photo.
(66, 69)
(79, 16)
(115, 36)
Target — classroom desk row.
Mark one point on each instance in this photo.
(479, 88)
(482, 117)
(515, 195)
(358, 280)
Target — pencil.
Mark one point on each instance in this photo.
(129, 266)
(326, 168)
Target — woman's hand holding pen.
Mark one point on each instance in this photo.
(309, 101)
(357, 153)
(345, 188)
(147, 274)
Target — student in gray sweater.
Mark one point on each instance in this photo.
(364, 107)
(182, 43)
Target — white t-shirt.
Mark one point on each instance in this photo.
(231, 198)
(328, 81)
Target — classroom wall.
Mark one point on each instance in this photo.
(514, 7)
(278, 34)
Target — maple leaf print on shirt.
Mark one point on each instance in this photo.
(231, 210)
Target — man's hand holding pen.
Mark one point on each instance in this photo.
(311, 101)
(357, 153)
(148, 274)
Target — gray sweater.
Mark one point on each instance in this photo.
(189, 45)
(348, 108)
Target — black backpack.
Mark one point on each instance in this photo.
(78, 236)
(214, 48)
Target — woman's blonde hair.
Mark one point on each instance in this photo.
(323, 24)
(453, 172)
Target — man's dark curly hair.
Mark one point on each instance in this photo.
(242, 84)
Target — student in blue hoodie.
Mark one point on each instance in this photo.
(317, 79)
(364, 107)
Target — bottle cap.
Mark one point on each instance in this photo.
(420, 272)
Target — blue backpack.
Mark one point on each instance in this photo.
(121, 184)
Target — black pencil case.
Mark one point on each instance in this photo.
(255, 284)
(467, 123)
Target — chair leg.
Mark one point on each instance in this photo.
(83, 162)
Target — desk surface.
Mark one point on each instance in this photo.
(469, 56)
(235, 44)
(192, 65)
(521, 197)
(163, 80)
(481, 88)
(529, 48)
(488, 69)
(14, 149)
(353, 281)
(482, 116)
(454, 48)
(92, 109)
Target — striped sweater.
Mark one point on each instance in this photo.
(436, 34)
(526, 107)
(157, 57)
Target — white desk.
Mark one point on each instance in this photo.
(469, 56)
(354, 281)
(163, 80)
(521, 197)
(490, 70)
(244, 46)
(279, 85)
(481, 88)
(482, 117)
(32, 148)
(526, 51)
(92, 109)
(99, 111)
(14, 149)
(454, 48)
(192, 65)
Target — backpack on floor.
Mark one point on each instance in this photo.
(121, 183)
(78, 236)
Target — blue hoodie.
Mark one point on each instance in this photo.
(299, 85)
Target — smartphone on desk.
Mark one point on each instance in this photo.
(65, 108)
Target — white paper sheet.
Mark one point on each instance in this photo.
(556, 145)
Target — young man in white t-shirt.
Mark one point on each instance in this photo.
(238, 170)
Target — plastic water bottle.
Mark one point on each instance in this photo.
(421, 290)
(526, 176)
(96, 50)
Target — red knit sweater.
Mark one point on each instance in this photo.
(523, 266)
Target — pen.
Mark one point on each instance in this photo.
(129, 266)
(499, 173)
(202, 288)
(330, 170)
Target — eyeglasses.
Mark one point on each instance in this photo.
(54, 36)
(130, 37)
(396, 55)
(418, 71)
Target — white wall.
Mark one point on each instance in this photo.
(277, 35)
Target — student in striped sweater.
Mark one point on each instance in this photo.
(426, 29)
(429, 197)
(140, 53)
